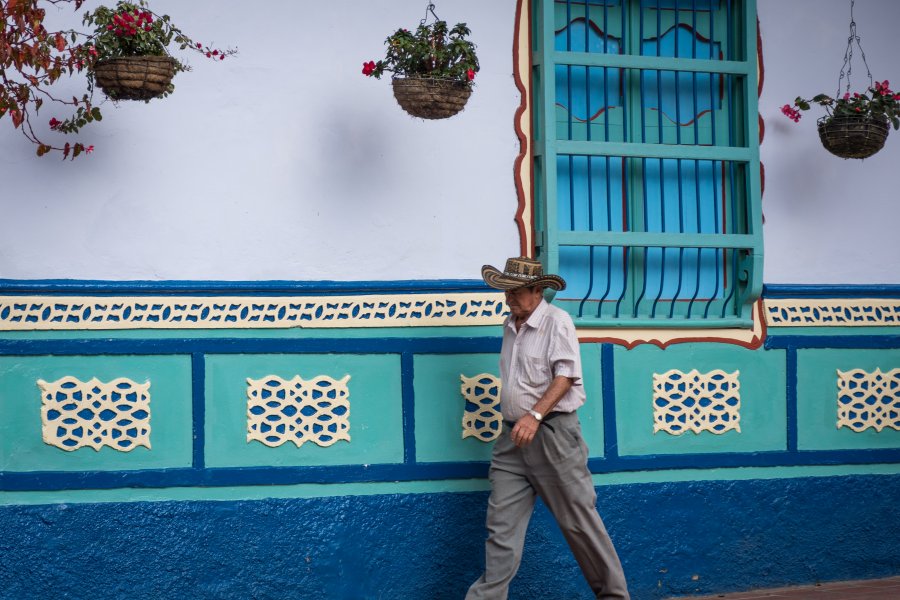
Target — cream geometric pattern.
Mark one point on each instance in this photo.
(481, 416)
(19, 313)
(298, 411)
(868, 400)
(696, 402)
(847, 312)
(76, 413)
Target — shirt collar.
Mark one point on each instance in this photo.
(534, 319)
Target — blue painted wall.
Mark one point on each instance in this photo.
(673, 538)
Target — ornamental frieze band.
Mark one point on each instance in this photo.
(21, 313)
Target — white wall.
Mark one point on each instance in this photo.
(828, 220)
(282, 163)
(286, 163)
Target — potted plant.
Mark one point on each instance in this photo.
(856, 125)
(130, 47)
(433, 69)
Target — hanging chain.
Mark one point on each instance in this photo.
(429, 9)
(848, 54)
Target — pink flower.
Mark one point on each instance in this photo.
(368, 68)
(470, 74)
(847, 96)
(89, 149)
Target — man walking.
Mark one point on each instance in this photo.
(541, 452)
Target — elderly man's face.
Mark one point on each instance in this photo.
(523, 301)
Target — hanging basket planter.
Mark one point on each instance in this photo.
(429, 98)
(135, 77)
(850, 136)
(433, 67)
(857, 124)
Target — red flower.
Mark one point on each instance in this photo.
(470, 74)
(368, 68)
(54, 123)
(791, 113)
(89, 149)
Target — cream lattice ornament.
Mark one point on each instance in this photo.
(696, 402)
(75, 413)
(868, 400)
(481, 417)
(298, 411)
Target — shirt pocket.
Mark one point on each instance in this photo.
(536, 371)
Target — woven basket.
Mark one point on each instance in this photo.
(135, 77)
(850, 136)
(431, 98)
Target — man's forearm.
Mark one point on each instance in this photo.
(555, 391)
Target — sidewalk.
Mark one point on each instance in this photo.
(867, 589)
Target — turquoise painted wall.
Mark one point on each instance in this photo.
(408, 468)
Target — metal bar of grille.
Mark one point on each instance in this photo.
(634, 61)
(662, 220)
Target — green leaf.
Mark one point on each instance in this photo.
(896, 122)
(95, 112)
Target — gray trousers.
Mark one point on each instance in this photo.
(554, 467)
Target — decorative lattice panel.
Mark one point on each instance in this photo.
(481, 418)
(298, 411)
(868, 400)
(191, 312)
(76, 413)
(696, 402)
(837, 312)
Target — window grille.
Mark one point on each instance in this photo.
(646, 159)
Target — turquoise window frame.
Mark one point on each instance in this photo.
(743, 243)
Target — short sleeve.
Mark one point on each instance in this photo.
(565, 353)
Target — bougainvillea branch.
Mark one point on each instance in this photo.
(33, 59)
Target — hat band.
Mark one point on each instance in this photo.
(520, 275)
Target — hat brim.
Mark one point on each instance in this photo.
(499, 281)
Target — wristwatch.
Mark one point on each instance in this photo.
(537, 416)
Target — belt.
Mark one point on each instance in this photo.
(548, 417)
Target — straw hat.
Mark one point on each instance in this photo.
(520, 272)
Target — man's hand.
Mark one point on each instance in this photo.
(525, 430)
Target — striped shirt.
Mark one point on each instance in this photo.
(544, 347)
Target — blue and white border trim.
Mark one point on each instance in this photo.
(30, 313)
(832, 312)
